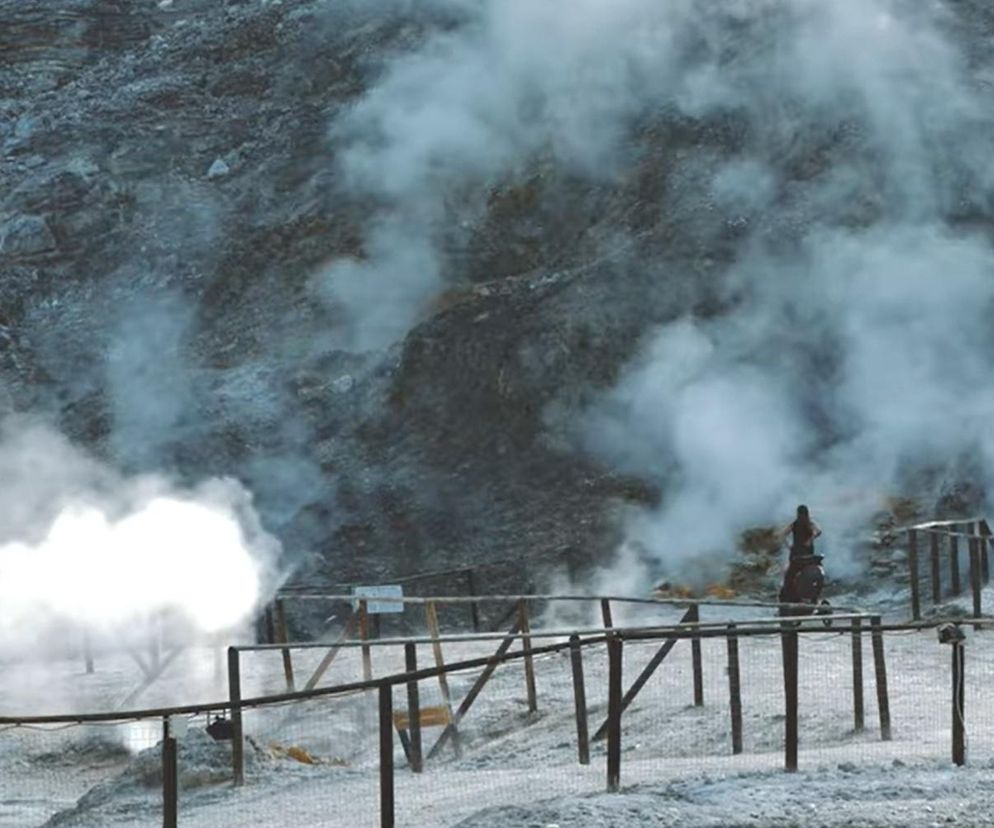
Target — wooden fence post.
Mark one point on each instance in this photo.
(386, 756)
(431, 618)
(734, 689)
(614, 656)
(269, 624)
(959, 681)
(643, 677)
(235, 698)
(580, 700)
(985, 567)
(284, 634)
(414, 707)
(916, 608)
(788, 642)
(857, 676)
(957, 586)
(880, 667)
(367, 656)
(606, 613)
(693, 616)
(492, 663)
(474, 608)
(975, 576)
(933, 553)
(170, 777)
(526, 646)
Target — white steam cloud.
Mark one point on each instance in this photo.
(856, 349)
(82, 548)
(858, 354)
(516, 79)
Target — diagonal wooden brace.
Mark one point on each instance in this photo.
(474, 691)
(151, 677)
(333, 651)
(646, 674)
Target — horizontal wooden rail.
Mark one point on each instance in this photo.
(634, 634)
(817, 621)
(291, 589)
(937, 524)
(681, 603)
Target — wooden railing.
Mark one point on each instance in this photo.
(944, 541)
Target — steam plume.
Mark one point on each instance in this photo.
(88, 549)
(856, 349)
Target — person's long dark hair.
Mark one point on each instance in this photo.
(802, 526)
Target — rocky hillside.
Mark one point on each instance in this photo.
(170, 192)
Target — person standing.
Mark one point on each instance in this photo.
(802, 532)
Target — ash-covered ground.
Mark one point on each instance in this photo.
(319, 760)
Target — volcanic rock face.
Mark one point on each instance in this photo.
(170, 189)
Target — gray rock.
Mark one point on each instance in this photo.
(26, 235)
(219, 169)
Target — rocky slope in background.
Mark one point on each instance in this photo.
(168, 189)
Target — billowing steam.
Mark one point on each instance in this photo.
(857, 355)
(83, 549)
(853, 350)
(474, 104)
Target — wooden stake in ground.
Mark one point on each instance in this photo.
(954, 578)
(283, 631)
(959, 682)
(936, 569)
(693, 616)
(788, 642)
(413, 707)
(235, 700)
(367, 655)
(580, 700)
(614, 710)
(170, 778)
(734, 689)
(526, 646)
(916, 607)
(431, 617)
(880, 667)
(386, 756)
(857, 676)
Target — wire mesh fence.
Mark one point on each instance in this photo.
(73, 774)
(507, 729)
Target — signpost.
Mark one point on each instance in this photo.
(371, 593)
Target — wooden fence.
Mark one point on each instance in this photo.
(854, 625)
(533, 644)
(944, 542)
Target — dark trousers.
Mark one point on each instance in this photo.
(794, 565)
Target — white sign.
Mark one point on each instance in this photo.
(380, 607)
(178, 726)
